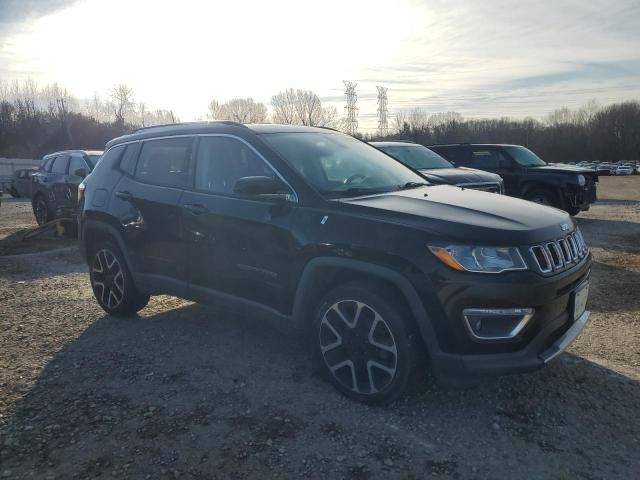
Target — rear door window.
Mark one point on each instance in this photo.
(485, 158)
(165, 162)
(60, 164)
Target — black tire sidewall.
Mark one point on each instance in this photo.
(36, 200)
(133, 300)
(396, 318)
(552, 197)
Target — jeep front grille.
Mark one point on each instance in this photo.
(561, 254)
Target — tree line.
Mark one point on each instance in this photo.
(35, 120)
(591, 132)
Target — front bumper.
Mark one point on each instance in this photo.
(551, 329)
(535, 355)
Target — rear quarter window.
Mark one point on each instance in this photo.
(165, 162)
(128, 161)
(109, 159)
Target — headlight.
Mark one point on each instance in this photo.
(480, 259)
(581, 180)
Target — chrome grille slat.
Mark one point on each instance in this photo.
(561, 254)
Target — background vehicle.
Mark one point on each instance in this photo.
(21, 182)
(438, 170)
(526, 176)
(624, 170)
(54, 187)
(320, 232)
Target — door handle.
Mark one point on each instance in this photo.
(123, 195)
(195, 208)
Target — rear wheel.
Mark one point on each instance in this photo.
(41, 209)
(364, 343)
(112, 283)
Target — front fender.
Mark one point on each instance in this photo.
(305, 290)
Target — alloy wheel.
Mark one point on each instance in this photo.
(107, 279)
(358, 347)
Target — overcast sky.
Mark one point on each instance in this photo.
(488, 58)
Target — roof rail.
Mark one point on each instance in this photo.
(205, 122)
(445, 144)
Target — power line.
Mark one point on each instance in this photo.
(351, 122)
(383, 111)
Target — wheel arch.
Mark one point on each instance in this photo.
(94, 230)
(320, 275)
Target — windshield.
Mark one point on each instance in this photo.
(525, 157)
(416, 156)
(339, 165)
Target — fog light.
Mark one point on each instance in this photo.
(496, 324)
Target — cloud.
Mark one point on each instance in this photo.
(15, 12)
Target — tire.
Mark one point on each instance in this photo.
(348, 320)
(41, 209)
(573, 211)
(112, 283)
(13, 191)
(544, 197)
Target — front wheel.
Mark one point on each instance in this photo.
(41, 210)
(364, 343)
(544, 197)
(112, 283)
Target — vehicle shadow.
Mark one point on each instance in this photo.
(616, 235)
(196, 390)
(64, 259)
(613, 288)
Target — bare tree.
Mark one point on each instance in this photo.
(122, 102)
(284, 107)
(241, 110)
(302, 107)
(245, 110)
(216, 111)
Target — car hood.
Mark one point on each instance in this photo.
(469, 216)
(456, 176)
(568, 169)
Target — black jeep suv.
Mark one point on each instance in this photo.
(321, 232)
(54, 187)
(438, 170)
(525, 175)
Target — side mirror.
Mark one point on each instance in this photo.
(80, 172)
(263, 188)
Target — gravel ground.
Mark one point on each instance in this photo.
(187, 392)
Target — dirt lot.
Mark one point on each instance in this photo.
(188, 392)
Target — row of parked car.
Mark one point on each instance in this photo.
(385, 256)
(505, 169)
(624, 167)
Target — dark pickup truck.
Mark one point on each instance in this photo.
(527, 176)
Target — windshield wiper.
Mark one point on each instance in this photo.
(357, 191)
(409, 185)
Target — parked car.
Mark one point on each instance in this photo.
(54, 187)
(21, 182)
(526, 176)
(624, 170)
(438, 170)
(320, 232)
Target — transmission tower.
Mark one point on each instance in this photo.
(383, 112)
(351, 122)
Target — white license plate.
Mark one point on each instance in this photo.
(580, 301)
